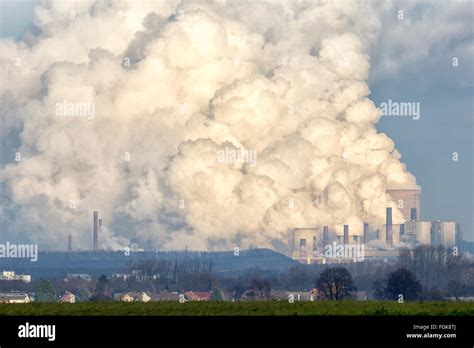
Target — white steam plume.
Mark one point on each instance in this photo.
(168, 87)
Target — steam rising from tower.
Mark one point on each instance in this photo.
(169, 86)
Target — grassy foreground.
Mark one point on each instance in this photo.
(242, 308)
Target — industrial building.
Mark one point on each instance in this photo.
(445, 233)
(417, 232)
(315, 245)
(322, 245)
(305, 241)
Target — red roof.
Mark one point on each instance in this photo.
(67, 297)
(198, 296)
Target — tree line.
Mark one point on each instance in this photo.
(423, 273)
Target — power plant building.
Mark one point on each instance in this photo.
(305, 243)
(422, 231)
(312, 245)
(390, 234)
(308, 245)
(444, 233)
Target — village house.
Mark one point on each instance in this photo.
(14, 297)
(198, 296)
(133, 297)
(165, 296)
(82, 276)
(68, 297)
(11, 276)
(295, 295)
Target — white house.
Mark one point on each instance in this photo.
(10, 275)
(14, 297)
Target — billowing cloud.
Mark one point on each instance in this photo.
(193, 124)
(423, 34)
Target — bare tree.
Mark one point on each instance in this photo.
(400, 282)
(259, 289)
(335, 283)
(434, 266)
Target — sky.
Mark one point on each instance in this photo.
(446, 96)
(411, 60)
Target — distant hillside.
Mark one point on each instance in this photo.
(59, 264)
(467, 246)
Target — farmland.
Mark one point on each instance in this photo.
(254, 308)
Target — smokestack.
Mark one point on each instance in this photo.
(413, 214)
(325, 235)
(69, 242)
(388, 224)
(458, 236)
(96, 231)
(346, 234)
(366, 232)
(303, 247)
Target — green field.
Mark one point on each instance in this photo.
(242, 308)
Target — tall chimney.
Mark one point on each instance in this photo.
(69, 242)
(413, 214)
(325, 236)
(303, 251)
(389, 227)
(366, 232)
(458, 236)
(96, 231)
(99, 232)
(346, 234)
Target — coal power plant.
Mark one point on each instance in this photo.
(330, 244)
(348, 243)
